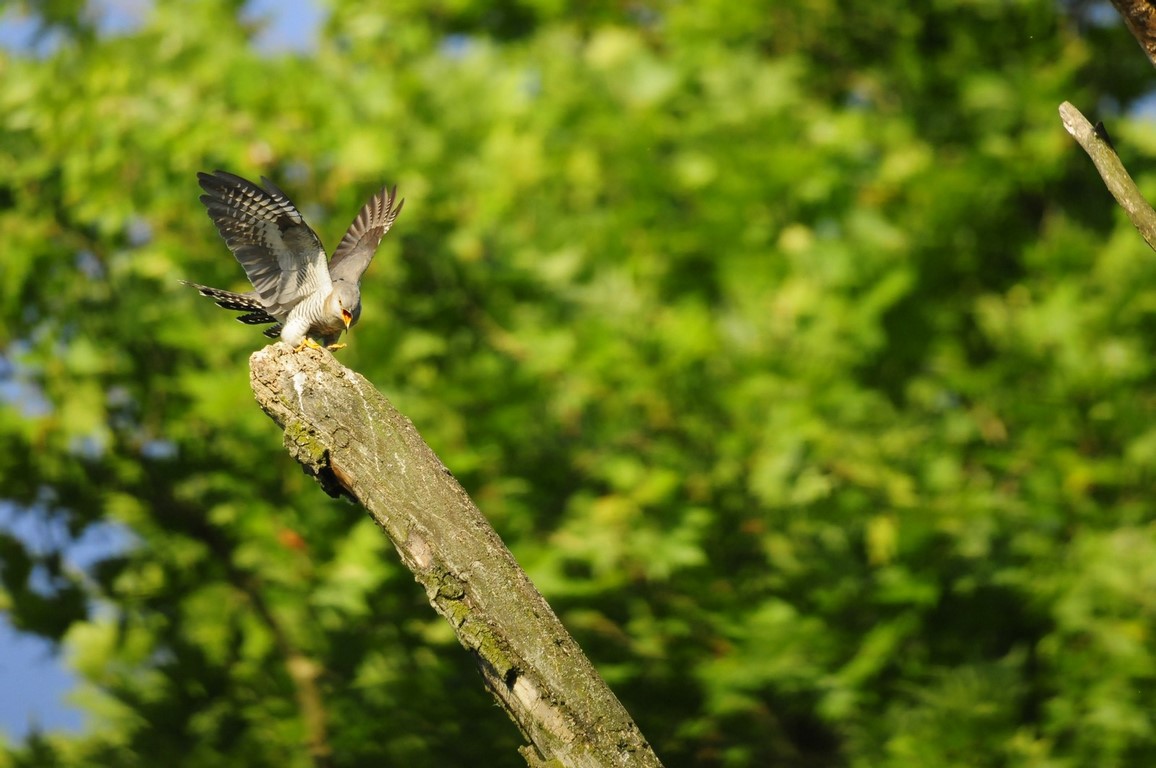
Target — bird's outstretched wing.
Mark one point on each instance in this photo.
(356, 249)
(281, 255)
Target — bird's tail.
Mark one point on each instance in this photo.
(242, 302)
(249, 303)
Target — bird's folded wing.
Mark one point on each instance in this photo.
(281, 255)
(356, 249)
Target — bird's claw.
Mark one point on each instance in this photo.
(335, 346)
(307, 342)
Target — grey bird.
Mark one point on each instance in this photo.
(295, 288)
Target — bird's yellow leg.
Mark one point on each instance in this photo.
(307, 342)
(336, 346)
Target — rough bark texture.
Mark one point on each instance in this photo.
(1112, 171)
(349, 437)
(1140, 16)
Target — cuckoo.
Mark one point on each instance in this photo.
(308, 298)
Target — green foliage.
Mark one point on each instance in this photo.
(795, 349)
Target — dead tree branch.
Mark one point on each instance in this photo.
(1140, 16)
(1112, 171)
(348, 436)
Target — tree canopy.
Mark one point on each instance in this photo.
(794, 348)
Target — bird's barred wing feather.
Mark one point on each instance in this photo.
(356, 249)
(281, 255)
(257, 318)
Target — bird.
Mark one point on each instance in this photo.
(306, 297)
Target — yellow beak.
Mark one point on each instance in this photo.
(347, 317)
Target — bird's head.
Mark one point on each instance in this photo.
(345, 302)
